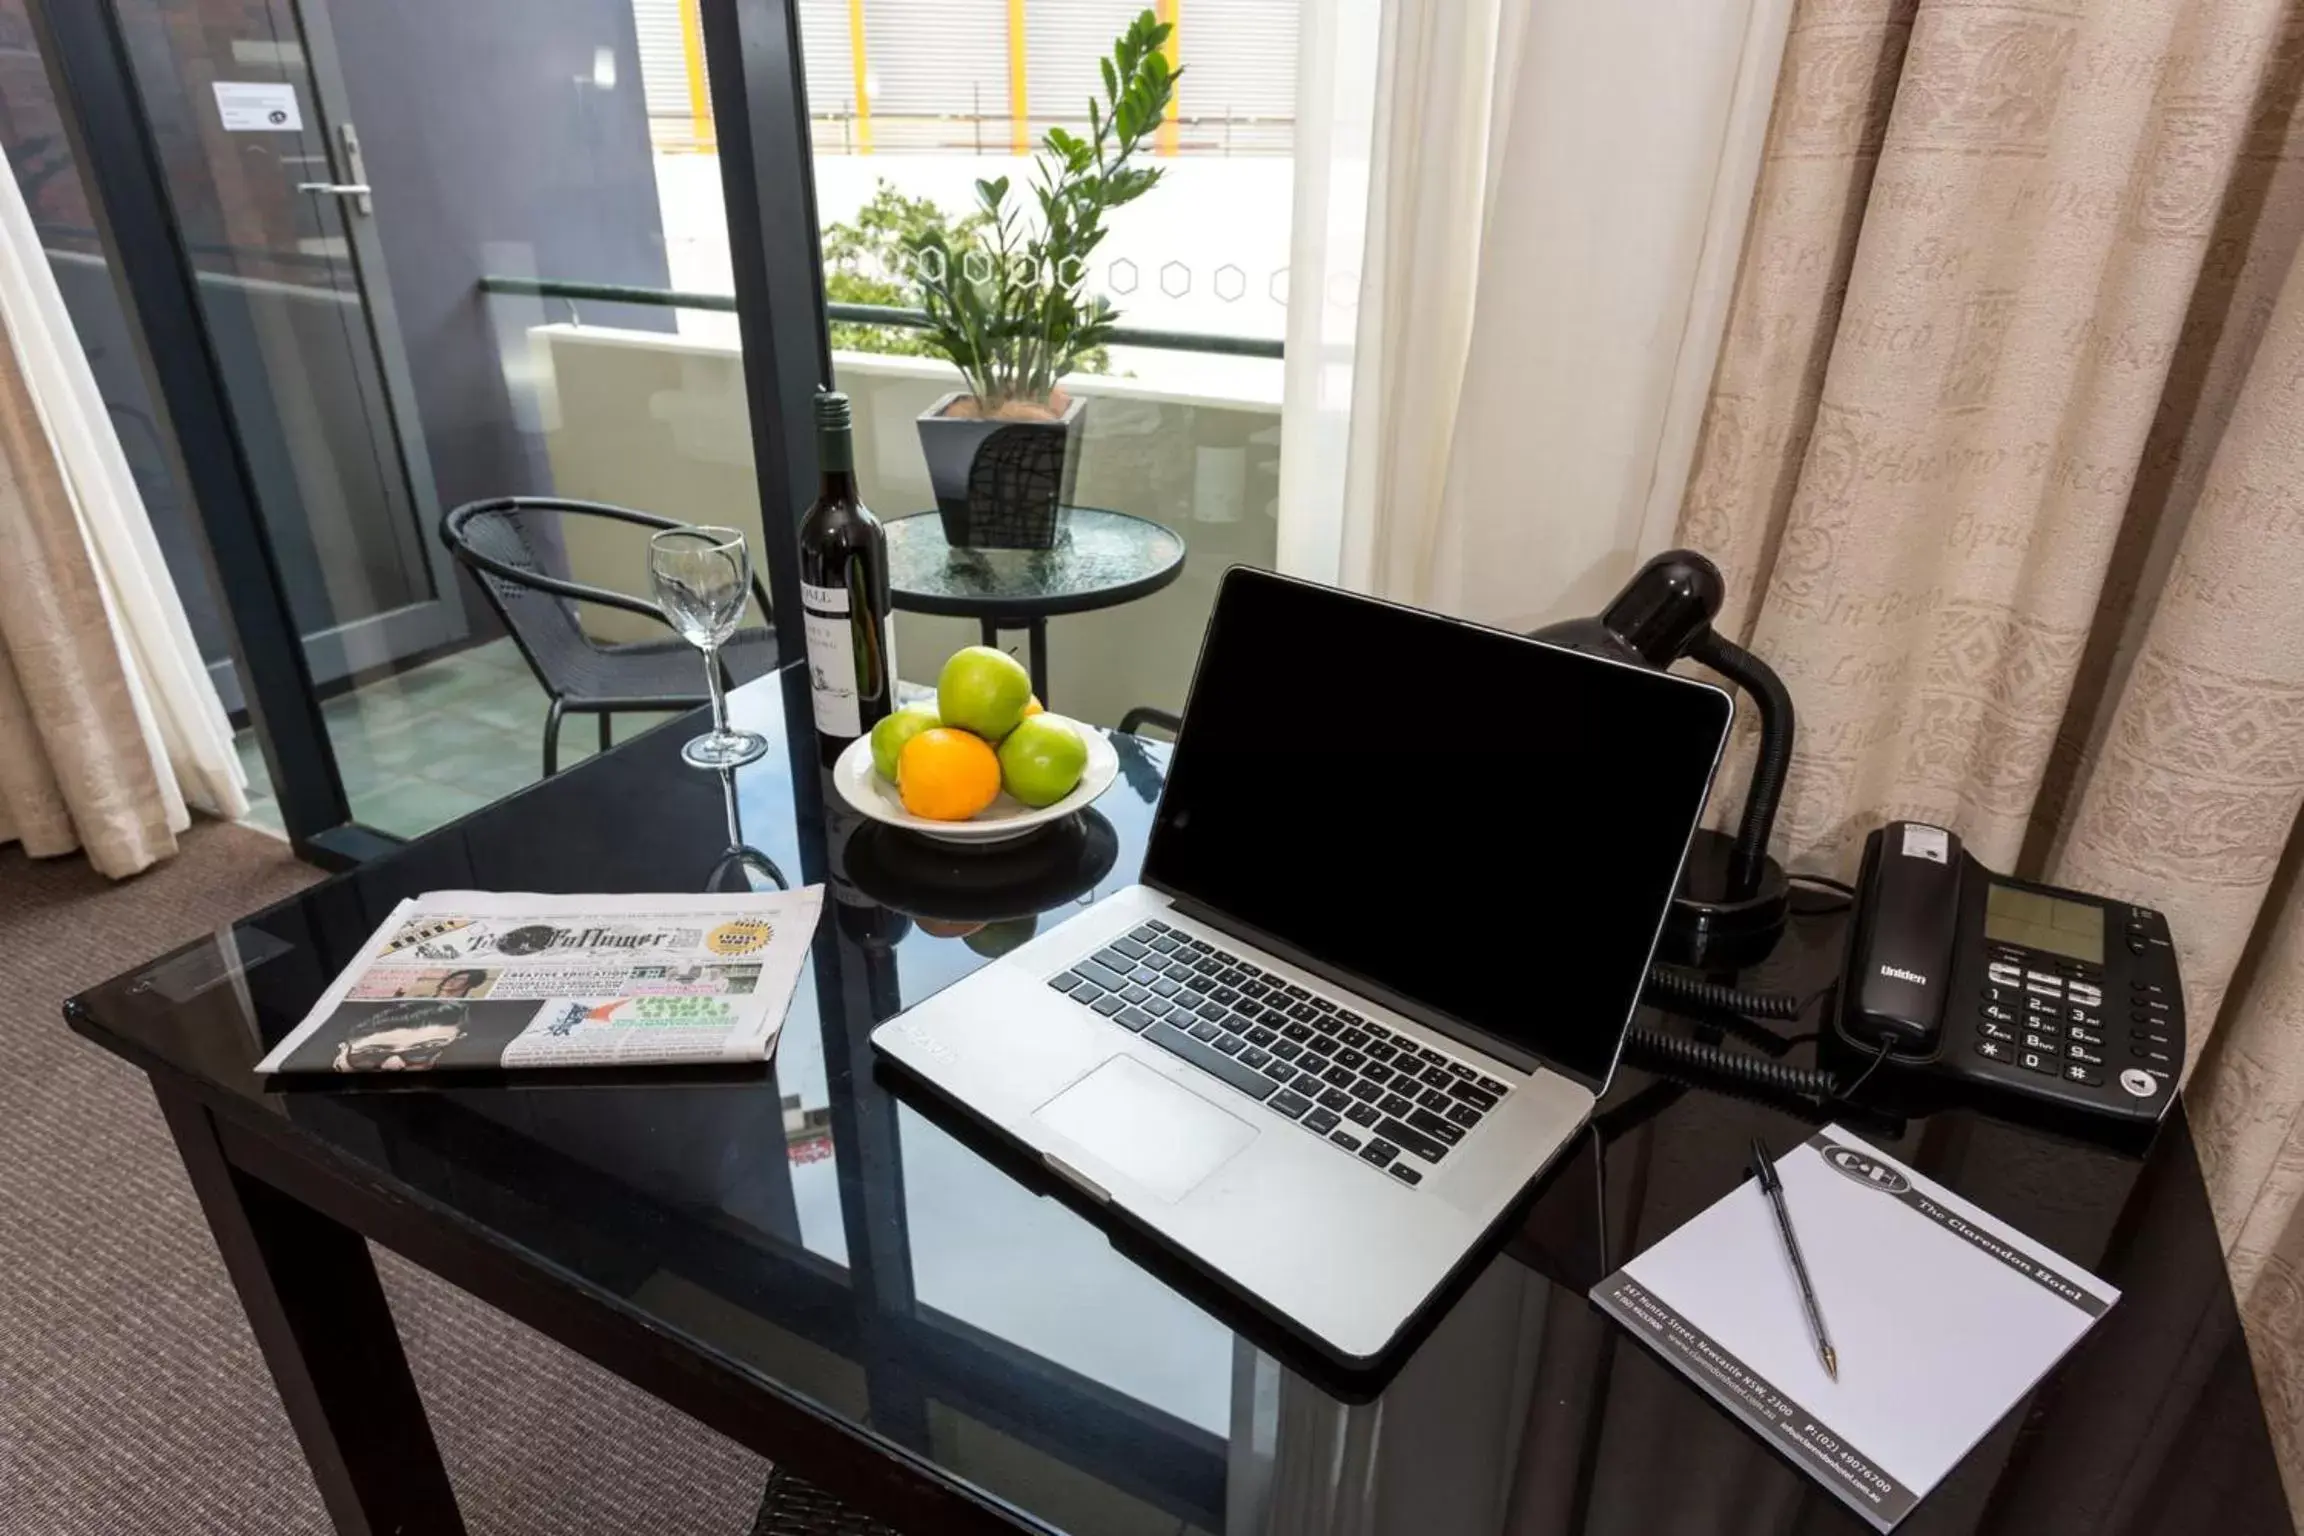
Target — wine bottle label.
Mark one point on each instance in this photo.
(831, 660)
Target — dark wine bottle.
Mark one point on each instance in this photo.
(844, 593)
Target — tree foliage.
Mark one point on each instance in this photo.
(867, 261)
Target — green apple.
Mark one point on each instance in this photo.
(983, 690)
(1042, 760)
(889, 736)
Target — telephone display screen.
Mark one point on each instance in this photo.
(2073, 929)
(1481, 825)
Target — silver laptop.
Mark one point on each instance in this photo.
(1404, 881)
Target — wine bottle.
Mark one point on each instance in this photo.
(850, 626)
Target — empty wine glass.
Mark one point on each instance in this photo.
(702, 577)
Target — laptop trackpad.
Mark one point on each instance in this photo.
(1160, 1134)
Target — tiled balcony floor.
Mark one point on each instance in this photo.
(426, 746)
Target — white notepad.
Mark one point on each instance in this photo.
(1942, 1318)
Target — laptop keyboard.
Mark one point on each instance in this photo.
(1370, 1092)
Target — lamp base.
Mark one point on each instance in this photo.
(1708, 927)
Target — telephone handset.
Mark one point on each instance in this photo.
(2010, 986)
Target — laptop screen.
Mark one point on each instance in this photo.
(1436, 813)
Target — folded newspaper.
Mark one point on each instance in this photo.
(503, 979)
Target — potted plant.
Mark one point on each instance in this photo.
(1009, 308)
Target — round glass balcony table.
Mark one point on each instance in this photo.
(1101, 560)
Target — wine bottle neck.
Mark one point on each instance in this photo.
(836, 455)
(837, 485)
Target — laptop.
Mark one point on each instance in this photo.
(1403, 883)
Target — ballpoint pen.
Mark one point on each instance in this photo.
(1773, 1188)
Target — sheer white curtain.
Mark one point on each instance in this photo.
(1554, 199)
(178, 717)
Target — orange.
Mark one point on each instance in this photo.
(947, 774)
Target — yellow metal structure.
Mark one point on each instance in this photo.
(699, 86)
(1165, 144)
(1019, 108)
(863, 73)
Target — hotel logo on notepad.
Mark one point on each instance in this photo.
(1867, 1170)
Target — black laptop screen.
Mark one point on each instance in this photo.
(1467, 820)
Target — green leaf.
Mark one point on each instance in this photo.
(1111, 79)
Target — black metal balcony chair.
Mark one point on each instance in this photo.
(1142, 715)
(497, 541)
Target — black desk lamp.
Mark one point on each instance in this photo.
(1733, 897)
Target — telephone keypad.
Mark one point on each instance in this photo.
(2047, 1014)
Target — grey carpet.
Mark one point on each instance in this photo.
(132, 1398)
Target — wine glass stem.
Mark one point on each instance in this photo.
(719, 695)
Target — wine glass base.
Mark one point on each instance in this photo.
(725, 749)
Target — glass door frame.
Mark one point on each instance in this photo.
(422, 625)
(417, 627)
(768, 183)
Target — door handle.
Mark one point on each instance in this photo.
(356, 190)
(356, 166)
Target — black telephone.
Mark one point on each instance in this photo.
(2007, 986)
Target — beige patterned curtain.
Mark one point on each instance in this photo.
(78, 764)
(2004, 458)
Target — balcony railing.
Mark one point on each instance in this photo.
(860, 314)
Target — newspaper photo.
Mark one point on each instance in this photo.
(499, 979)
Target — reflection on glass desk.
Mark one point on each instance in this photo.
(844, 1276)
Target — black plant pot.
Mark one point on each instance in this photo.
(1001, 484)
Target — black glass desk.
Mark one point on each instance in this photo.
(849, 1283)
(1101, 560)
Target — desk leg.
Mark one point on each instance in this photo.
(319, 1314)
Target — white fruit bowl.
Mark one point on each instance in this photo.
(1004, 819)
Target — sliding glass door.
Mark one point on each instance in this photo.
(268, 181)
